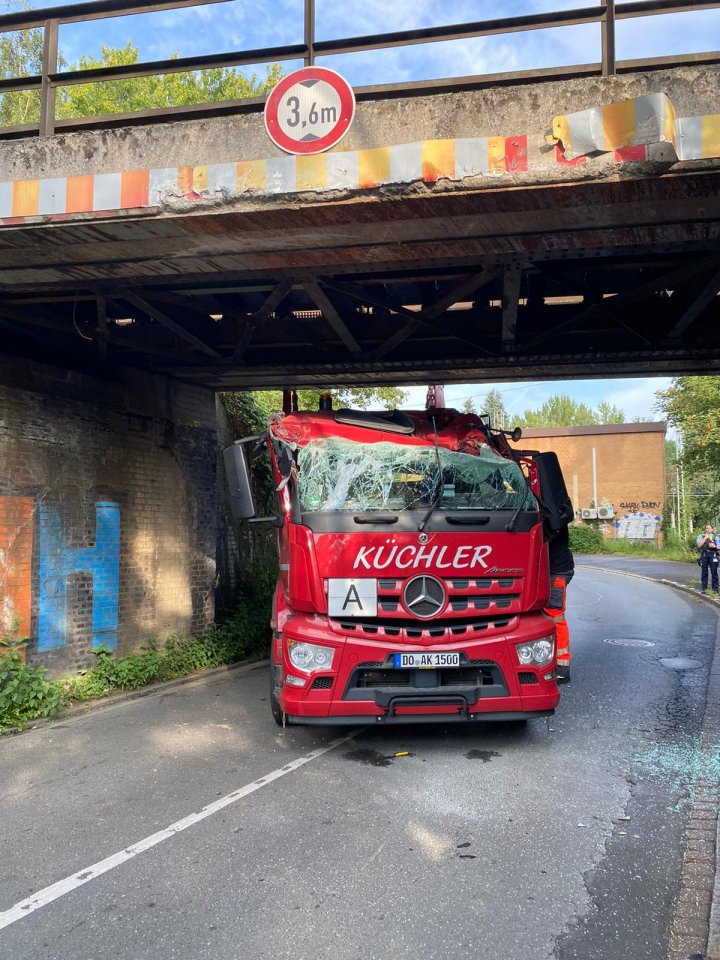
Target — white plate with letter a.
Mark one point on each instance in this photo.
(352, 597)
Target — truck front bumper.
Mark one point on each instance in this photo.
(363, 685)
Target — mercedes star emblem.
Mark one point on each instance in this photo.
(424, 596)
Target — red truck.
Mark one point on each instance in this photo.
(413, 567)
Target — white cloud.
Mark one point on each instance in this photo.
(246, 24)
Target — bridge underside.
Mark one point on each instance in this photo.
(415, 284)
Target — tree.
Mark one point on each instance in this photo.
(558, 411)
(468, 405)
(607, 413)
(691, 405)
(21, 55)
(387, 398)
(147, 93)
(562, 411)
(493, 408)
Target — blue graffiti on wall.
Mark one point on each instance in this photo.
(58, 562)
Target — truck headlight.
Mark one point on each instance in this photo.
(310, 656)
(539, 652)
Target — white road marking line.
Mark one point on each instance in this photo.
(56, 890)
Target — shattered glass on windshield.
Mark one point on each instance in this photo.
(336, 474)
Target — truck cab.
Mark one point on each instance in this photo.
(413, 568)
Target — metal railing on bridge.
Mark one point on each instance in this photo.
(51, 78)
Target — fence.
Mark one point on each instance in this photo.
(50, 78)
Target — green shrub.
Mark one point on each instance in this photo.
(25, 692)
(585, 539)
(243, 636)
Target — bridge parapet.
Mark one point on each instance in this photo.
(539, 133)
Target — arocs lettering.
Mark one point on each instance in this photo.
(413, 557)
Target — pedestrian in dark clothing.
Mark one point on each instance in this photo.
(562, 569)
(709, 544)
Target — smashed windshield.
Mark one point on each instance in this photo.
(336, 474)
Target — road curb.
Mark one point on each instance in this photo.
(695, 927)
(151, 690)
(713, 943)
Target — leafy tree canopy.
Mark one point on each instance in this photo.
(493, 407)
(562, 411)
(362, 398)
(692, 404)
(21, 55)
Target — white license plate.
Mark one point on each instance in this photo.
(354, 597)
(425, 661)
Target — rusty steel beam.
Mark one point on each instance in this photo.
(465, 288)
(608, 306)
(259, 317)
(98, 10)
(150, 68)
(329, 312)
(701, 301)
(48, 91)
(607, 27)
(44, 322)
(462, 369)
(400, 336)
(101, 330)
(512, 278)
(375, 301)
(164, 320)
(309, 32)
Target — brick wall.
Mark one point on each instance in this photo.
(629, 465)
(107, 511)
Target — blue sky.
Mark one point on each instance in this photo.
(247, 24)
(244, 24)
(635, 397)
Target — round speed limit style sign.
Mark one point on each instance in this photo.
(309, 111)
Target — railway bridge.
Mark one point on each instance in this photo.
(549, 226)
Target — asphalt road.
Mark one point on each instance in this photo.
(490, 843)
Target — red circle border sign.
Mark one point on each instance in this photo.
(347, 110)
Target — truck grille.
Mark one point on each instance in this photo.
(406, 630)
(469, 675)
(469, 596)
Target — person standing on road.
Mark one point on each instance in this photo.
(562, 569)
(709, 544)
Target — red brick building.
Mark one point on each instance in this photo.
(615, 474)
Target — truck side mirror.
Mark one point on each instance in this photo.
(242, 504)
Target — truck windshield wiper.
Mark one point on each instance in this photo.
(436, 502)
(510, 527)
(375, 518)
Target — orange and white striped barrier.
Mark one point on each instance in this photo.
(103, 193)
(644, 121)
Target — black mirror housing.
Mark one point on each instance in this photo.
(242, 503)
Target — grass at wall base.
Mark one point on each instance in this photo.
(585, 538)
(27, 694)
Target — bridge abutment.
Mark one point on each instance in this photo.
(108, 505)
